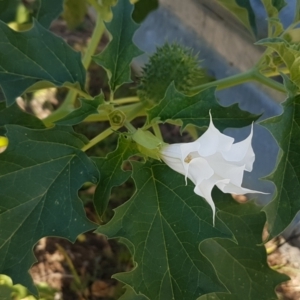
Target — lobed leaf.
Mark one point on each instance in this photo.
(117, 56)
(195, 110)
(8, 10)
(131, 295)
(242, 265)
(28, 67)
(87, 107)
(142, 8)
(3, 5)
(40, 174)
(48, 11)
(243, 11)
(286, 202)
(218, 296)
(165, 221)
(112, 173)
(15, 115)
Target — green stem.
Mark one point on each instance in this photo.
(275, 73)
(95, 39)
(129, 126)
(70, 265)
(68, 105)
(130, 116)
(157, 131)
(269, 82)
(100, 137)
(125, 100)
(228, 82)
(95, 4)
(74, 90)
(250, 75)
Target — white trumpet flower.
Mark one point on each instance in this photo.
(213, 159)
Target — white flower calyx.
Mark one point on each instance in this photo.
(213, 159)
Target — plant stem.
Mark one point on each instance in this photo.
(227, 82)
(250, 75)
(107, 132)
(125, 100)
(68, 105)
(129, 126)
(269, 82)
(130, 116)
(275, 73)
(95, 4)
(93, 44)
(74, 90)
(70, 265)
(157, 131)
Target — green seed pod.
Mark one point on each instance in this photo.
(117, 118)
(170, 63)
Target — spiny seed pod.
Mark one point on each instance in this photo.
(170, 63)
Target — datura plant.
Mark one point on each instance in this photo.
(188, 239)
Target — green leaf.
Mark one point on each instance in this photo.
(38, 55)
(74, 12)
(15, 115)
(142, 8)
(165, 221)
(112, 173)
(218, 296)
(289, 54)
(8, 10)
(88, 107)
(242, 265)
(273, 8)
(48, 11)
(243, 11)
(40, 174)
(131, 295)
(117, 56)
(3, 5)
(195, 110)
(286, 202)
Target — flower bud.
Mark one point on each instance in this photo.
(3, 143)
(117, 118)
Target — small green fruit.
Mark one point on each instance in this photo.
(170, 63)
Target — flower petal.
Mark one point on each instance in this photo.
(171, 155)
(241, 153)
(213, 141)
(199, 170)
(226, 170)
(231, 188)
(204, 190)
